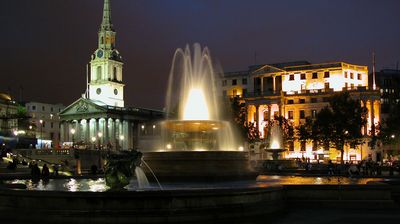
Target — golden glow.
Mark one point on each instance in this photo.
(196, 107)
(275, 144)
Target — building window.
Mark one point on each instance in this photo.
(327, 85)
(291, 77)
(290, 101)
(51, 125)
(313, 100)
(244, 81)
(303, 76)
(325, 99)
(224, 82)
(98, 72)
(115, 73)
(346, 85)
(44, 124)
(43, 108)
(315, 75)
(291, 146)
(326, 74)
(51, 109)
(224, 93)
(313, 113)
(345, 75)
(359, 76)
(234, 82)
(244, 92)
(290, 114)
(351, 75)
(302, 100)
(302, 114)
(303, 146)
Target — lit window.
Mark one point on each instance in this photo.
(302, 114)
(345, 74)
(313, 113)
(315, 75)
(290, 114)
(351, 75)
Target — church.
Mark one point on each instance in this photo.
(100, 119)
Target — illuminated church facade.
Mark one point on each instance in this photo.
(297, 90)
(99, 118)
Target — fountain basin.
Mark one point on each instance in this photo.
(169, 206)
(199, 165)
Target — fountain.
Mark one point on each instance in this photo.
(197, 143)
(275, 142)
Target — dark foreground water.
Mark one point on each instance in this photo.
(98, 184)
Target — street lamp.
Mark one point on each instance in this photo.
(73, 133)
(93, 141)
(121, 138)
(41, 133)
(392, 136)
(99, 135)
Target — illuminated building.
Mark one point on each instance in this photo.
(48, 130)
(297, 90)
(99, 118)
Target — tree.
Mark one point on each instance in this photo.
(390, 130)
(341, 123)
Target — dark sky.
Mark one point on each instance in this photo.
(46, 44)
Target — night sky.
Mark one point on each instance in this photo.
(46, 44)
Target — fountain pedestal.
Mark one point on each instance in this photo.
(199, 166)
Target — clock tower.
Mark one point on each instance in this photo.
(105, 84)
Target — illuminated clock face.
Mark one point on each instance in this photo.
(98, 91)
(99, 53)
(115, 91)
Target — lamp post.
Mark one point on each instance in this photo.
(99, 135)
(93, 141)
(121, 138)
(73, 133)
(41, 133)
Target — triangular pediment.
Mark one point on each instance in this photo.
(83, 106)
(267, 69)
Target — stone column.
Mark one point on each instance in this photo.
(274, 83)
(257, 116)
(106, 132)
(62, 132)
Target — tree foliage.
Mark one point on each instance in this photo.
(336, 125)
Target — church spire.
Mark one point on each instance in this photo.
(106, 24)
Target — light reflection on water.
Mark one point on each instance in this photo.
(99, 185)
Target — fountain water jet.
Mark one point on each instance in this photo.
(197, 143)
